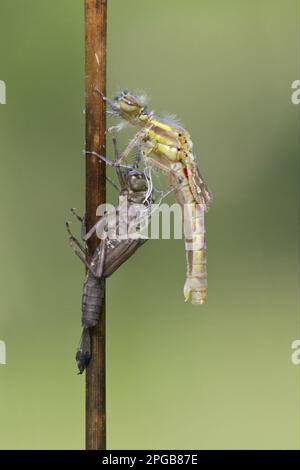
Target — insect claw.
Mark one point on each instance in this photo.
(73, 210)
(96, 90)
(114, 108)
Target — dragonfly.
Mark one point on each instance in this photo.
(165, 144)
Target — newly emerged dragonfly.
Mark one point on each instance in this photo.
(165, 144)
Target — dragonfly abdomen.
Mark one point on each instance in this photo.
(195, 286)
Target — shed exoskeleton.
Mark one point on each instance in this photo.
(111, 253)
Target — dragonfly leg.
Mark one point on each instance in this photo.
(119, 158)
(97, 261)
(115, 146)
(120, 173)
(78, 249)
(117, 128)
(138, 156)
(161, 166)
(73, 239)
(134, 142)
(82, 221)
(78, 217)
(113, 184)
(106, 160)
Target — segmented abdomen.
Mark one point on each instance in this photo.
(92, 298)
(193, 220)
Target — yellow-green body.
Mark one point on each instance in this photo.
(168, 146)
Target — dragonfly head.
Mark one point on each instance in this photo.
(130, 106)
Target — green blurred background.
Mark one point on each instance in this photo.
(178, 376)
